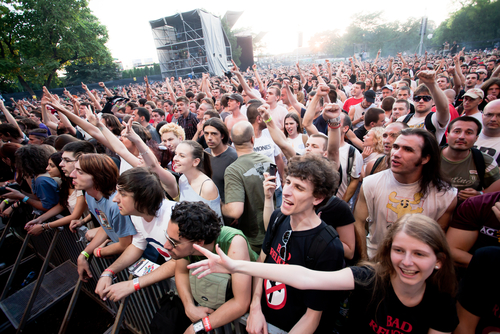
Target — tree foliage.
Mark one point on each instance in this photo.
(78, 72)
(475, 25)
(142, 71)
(371, 33)
(40, 37)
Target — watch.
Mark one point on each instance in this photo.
(199, 327)
(334, 122)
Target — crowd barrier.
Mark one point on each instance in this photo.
(60, 248)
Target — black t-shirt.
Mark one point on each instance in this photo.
(336, 213)
(479, 293)
(283, 305)
(437, 310)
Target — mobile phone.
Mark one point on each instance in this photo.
(272, 169)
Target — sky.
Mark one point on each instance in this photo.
(130, 35)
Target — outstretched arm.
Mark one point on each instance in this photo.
(297, 276)
(150, 160)
(332, 111)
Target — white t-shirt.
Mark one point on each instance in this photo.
(388, 200)
(266, 146)
(357, 164)
(297, 144)
(419, 122)
(153, 232)
(488, 145)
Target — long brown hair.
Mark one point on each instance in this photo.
(429, 232)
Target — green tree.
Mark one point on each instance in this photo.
(40, 37)
(475, 24)
(78, 72)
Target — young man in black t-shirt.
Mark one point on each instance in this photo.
(309, 184)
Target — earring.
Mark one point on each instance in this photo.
(437, 267)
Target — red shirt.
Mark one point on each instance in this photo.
(351, 102)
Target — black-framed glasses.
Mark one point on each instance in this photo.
(426, 98)
(172, 242)
(286, 238)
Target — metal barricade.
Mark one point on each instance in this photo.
(141, 306)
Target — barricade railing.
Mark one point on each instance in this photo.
(137, 310)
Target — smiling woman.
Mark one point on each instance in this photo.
(408, 287)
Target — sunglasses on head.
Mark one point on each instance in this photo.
(426, 98)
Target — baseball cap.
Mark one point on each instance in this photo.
(236, 97)
(475, 93)
(389, 87)
(370, 96)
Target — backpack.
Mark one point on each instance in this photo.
(428, 125)
(318, 245)
(350, 162)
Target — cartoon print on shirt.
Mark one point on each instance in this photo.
(404, 205)
(103, 219)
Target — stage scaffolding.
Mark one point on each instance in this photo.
(191, 43)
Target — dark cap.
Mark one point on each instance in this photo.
(237, 97)
(370, 96)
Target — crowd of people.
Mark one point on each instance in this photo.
(357, 197)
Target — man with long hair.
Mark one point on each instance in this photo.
(413, 184)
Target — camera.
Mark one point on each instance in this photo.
(228, 74)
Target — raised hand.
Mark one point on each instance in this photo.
(84, 86)
(264, 111)
(323, 89)
(214, 263)
(331, 110)
(235, 68)
(102, 84)
(427, 77)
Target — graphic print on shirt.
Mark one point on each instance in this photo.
(490, 232)
(101, 216)
(258, 169)
(159, 248)
(275, 294)
(403, 205)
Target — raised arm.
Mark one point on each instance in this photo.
(257, 78)
(458, 70)
(242, 81)
(10, 118)
(91, 96)
(329, 68)
(331, 112)
(301, 74)
(440, 100)
(276, 134)
(311, 113)
(292, 99)
(400, 55)
(106, 90)
(150, 160)
(46, 119)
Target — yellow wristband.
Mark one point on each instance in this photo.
(268, 120)
(85, 254)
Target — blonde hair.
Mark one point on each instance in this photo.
(378, 132)
(176, 129)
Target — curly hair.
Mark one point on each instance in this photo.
(176, 129)
(378, 133)
(32, 160)
(319, 171)
(196, 221)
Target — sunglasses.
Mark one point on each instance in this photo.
(426, 98)
(286, 238)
